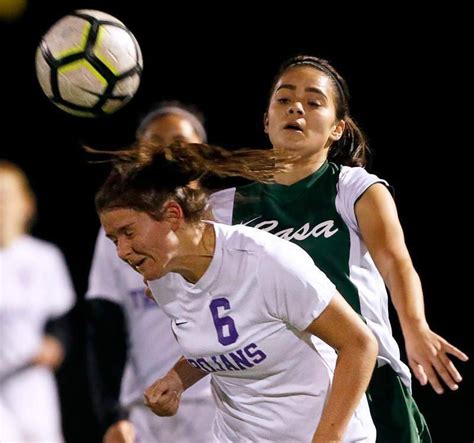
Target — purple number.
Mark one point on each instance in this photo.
(225, 326)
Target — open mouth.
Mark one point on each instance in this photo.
(136, 265)
(294, 126)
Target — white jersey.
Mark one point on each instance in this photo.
(318, 214)
(35, 286)
(243, 322)
(152, 348)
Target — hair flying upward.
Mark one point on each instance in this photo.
(144, 177)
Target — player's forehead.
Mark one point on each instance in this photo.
(173, 129)
(116, 220)
(307, 78)
(168, 123)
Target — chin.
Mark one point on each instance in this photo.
(152, 275)
(292, 141)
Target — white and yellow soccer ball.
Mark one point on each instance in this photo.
(89, 64)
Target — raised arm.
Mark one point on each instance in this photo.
(428, 353)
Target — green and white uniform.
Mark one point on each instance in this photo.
(317, 213)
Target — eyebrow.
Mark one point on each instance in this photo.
(119, 230)
(308, 89)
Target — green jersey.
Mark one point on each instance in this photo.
(317, 213)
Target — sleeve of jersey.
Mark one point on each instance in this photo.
(353, 182)
(103, 276)
(295, 289)
(222, 205)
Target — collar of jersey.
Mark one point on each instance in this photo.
(294, 190)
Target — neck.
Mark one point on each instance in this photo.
(8, 236)
(301, 168)
(198, 244)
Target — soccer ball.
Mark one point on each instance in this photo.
(89, 64)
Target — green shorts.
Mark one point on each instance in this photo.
(394, 411)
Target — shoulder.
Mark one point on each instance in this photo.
(355, 180)
(246, 237)
(37, 246)
(221, 204)
(274, 252)
(349, 175)
(352, 184)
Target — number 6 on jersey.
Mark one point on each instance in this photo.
(225, 326)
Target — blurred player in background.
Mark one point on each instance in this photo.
(121, 315)
(35, 293)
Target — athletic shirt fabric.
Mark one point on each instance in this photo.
(243, 322)
(317, 213)
(152, 347)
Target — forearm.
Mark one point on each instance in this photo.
(185, 374)
(406, 293)
(354, 367)
(51, 353)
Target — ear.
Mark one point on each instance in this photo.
(265, 122)
(338, 130)
(173, 214)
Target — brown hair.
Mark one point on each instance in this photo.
(144, 178)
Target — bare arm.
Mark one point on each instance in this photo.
(342, 328)
(122, 431)
(381, 230)
(50, 354)
(163, 396)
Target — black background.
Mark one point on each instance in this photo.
(410, 78)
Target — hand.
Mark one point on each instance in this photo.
(427, 354)
(51, 353)
(121, 432)
(163, 396)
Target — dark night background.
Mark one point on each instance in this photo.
(410, 79)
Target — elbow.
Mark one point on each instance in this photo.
(366, 345)
(371, 346)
